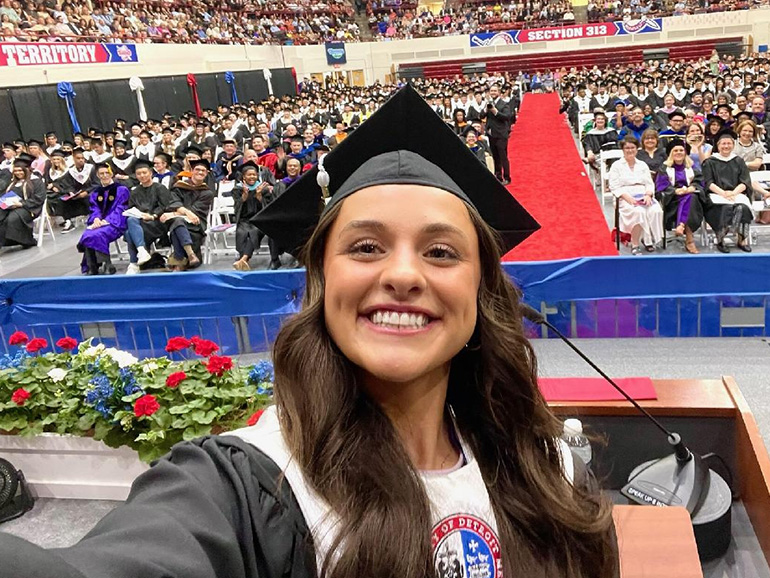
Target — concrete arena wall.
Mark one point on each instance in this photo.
(376, 59)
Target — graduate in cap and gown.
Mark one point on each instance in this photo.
(406, 398)
(122, 164)
(251, 194)
(727, 181)
(24, 197)
(150, 199)
(185, 216)
(105, 224)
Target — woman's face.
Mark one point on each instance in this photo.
(18, 173)
(746, 134)
(629, 151)
(678, 154)
(650, 142)
(725, 146)
(401, 286)
(250, 177)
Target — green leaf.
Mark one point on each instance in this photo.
(179, 409)
(196, 431)
(101, 430)
(86, 422)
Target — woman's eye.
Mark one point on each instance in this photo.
(442, 252)
(365, 247)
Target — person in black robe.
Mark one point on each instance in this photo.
(727, 180)
(186, 216)
(253, 192)
(162, 172)
(227, 162)
(76, 186)
(122, 164)
(474, 145)
(54, 182)
(16, 220)
(678, 186)
(150, 199)
(599, 138)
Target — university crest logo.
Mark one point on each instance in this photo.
(465, 546)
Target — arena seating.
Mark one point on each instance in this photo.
(556, 60)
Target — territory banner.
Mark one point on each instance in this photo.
(68, 53)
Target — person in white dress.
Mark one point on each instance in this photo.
(640, 213)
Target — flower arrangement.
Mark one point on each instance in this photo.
(149, 405)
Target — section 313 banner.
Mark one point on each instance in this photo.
(54, 53)
(567, 32)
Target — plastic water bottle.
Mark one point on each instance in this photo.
(576, 440)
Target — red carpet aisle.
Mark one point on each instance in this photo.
(546, 174)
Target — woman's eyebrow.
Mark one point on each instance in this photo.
(364, 224)
(446, 228)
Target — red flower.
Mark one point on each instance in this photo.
(146, 405)
(36, 345)
(176, 378)
(177, 344)
(20, 396)
(18, 338)
(204, 347)
(255, 417)
(67, 343)
(217, 365)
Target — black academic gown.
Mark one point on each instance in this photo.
(653, 161)
(197, 199)
(247, 236)
(597, 140)
(74, 181)
(16, 224)
(123, 170)
(727, 175)
(665, 189)
(215, 507)
(152, 200)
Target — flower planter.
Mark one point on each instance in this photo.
(74, 467)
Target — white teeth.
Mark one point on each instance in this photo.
(396, 320)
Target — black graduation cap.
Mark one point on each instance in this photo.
(391, 148)
(119, 142)
(102, 165)
(727, 106)
(193, 150)
(165, 157)
(9, 145)
(139, 163)
(78, 151)
(199, 163)
(676, 114)
(58, 153)
(34, 142)
(50, 134)
(24, 160)
(229, 141)
(744, 114)
(725, 134)
(96, 140)
(247, 165)
(677, 142)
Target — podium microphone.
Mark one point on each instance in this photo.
(680, 479)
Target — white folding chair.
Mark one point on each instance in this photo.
(219, 224)
(605, 159)
(765, 162)
(43, 223)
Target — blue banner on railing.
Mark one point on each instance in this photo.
(335, 53)
(568, 32)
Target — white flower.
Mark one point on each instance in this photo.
(94, 350)
(149, 367)
(122, 358)
(57, 374)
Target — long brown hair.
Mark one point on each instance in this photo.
(352, 456)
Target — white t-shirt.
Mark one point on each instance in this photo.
(464, 534)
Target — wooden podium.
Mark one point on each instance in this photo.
(711, 416)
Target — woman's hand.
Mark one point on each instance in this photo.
(244, 193)
(628, 198)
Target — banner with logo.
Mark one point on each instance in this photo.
(567, 32)
(335, 53)
(53, 53)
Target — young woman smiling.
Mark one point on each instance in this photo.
(408, 435)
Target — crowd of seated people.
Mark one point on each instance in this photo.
(181, 22)
(307, 21)
(153, 182)
(397, 20)
(690, 134)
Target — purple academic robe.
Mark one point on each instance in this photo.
(107, 204)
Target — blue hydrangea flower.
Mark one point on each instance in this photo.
(98, 396)
(13, 361)
(128, 379)
(262, 372)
